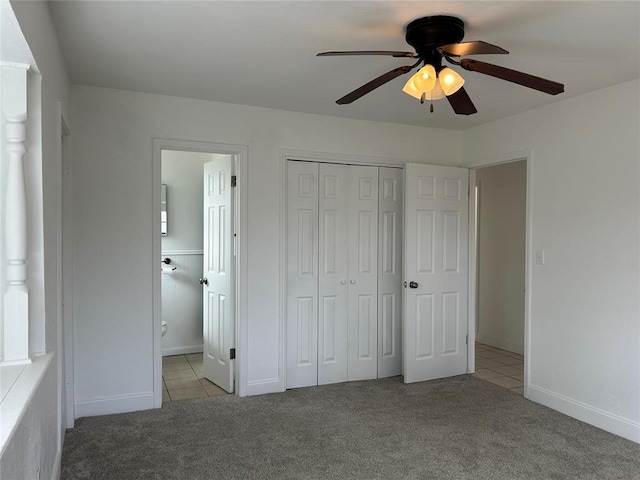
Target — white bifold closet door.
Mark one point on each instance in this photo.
(348, 273)
(302, 274)
(344, 273)
(390, 228)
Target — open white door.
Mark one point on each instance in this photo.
(435, 272)
(218, 267)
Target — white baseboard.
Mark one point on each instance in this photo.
(167, 352)
(57, 464)
(260, 387)
(500, 343)
(593, 416)
(182, 252)
(114, 404)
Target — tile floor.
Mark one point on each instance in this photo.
(183, 379)
(505, 369)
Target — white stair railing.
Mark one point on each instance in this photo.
(16, 294)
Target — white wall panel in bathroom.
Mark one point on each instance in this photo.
(182, 304)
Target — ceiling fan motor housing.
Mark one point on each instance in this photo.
(426, 34)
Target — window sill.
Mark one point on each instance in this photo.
(19, 384)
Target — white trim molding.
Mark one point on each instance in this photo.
(342, 158)
(261, 387)
(182, 252)
(500, 343)
(594, 416)
(167, 352)
(57, 466)
(114, 404)
(16, 294)
(18, 398)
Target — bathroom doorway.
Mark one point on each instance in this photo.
(199, 253)
(500, 198)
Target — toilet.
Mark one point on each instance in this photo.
(164, 328)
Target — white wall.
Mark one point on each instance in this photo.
(182, 173)
(40, 426)
(181, 292)
(584, 328)
(501, 254)
(112, 148)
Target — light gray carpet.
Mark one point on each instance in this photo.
(457, 428)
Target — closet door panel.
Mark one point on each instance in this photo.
(302, 274)
(333, 260)
(390, 227)
(363, 273)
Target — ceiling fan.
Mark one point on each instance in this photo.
(435, 38)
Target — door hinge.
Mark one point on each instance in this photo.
(467, 340)
(232, 354)
(233, 180)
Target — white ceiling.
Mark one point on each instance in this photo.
(263, 53)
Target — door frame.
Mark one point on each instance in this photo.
(241, 154)
(473, 260)
(309, 156)
(64, 280)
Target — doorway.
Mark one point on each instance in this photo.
(195, 352)
(200, 353)
(500, 237)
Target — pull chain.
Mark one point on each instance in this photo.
(431, 107)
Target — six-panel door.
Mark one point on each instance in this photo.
(302, 274)
(390, 226)
(333, 287)
(436, 272)
(362, 247)
(218, 304)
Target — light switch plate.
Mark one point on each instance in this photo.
(540, 257)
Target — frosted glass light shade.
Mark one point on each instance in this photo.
(423, 81)
(436, 94)
(450, 81)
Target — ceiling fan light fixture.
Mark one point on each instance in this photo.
(436, 38)
(436, 94)
(423, 81)
(450, 81)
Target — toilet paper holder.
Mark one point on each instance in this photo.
(167, 261)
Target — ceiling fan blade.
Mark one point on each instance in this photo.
(524, 79)
(373, 84)
(389, 53)
(461, 103)
(463, 49)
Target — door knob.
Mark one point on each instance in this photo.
(413, 284)
(204, 281)
(352, 282)
(343, 282)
